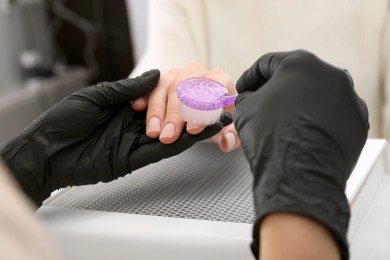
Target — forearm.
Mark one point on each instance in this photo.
(305, 181)
(295, 237)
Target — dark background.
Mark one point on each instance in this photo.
(109, 19)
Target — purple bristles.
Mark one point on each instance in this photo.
(203, 94)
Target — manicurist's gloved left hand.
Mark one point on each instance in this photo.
(90, 136)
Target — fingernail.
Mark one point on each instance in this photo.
(138, 102)
(154, 125)
(191, 126)
(230, 141)
(168, 131)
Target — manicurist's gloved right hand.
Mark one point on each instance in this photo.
(302, 128)
(90, 136)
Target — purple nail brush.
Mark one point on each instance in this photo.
(202, 100)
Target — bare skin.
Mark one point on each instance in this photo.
(163, 120)
(294, 237)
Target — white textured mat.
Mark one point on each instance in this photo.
(201, 183)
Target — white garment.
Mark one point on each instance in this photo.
(21, 235)
(231, 34)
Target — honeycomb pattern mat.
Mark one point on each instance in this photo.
(200, 183)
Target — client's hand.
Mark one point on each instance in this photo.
(302, 128)
(90, 136)
(163, 119)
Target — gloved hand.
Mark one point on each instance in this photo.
(90, 136)
(302, 128)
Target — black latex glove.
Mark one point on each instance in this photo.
(90, 136)
(302, 128)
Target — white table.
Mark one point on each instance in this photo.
(91, 234)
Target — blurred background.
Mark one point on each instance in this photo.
(50, 48)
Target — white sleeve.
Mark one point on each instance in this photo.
(385, 74)
(21, 235)
(170, 37)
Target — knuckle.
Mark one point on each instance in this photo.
(300, 56)
(172, 73)
(173, 115)
(194, 65)
(167, 79)
(218, 72)
(155, 109)
(172, 89)
(348, 77)
(222, 77)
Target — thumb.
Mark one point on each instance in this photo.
(260, 72)
(108, 94)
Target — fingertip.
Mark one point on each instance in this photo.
(168, 134)
(259, 73)
(194, 129)
(167, 140)
(153, 127)
(148, 80)
(153, 74)
(139, 104)
(153, 134)
(227, 142)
